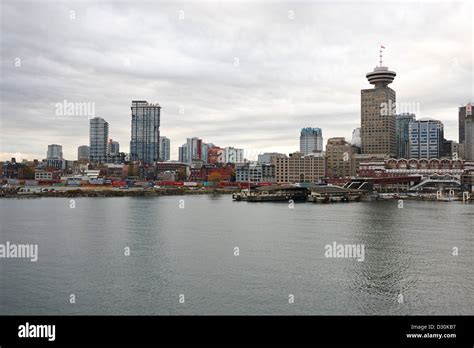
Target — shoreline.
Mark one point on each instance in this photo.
(134, 192)
(114, 193)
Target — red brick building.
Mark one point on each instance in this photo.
(202, 174)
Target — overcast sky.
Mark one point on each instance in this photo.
(243, 74)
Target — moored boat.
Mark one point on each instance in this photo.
(273, 193)
(329, 194)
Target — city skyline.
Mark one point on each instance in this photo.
(228, 87)
(307, 161)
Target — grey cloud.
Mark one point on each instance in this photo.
(313, 65)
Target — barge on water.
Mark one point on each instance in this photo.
(328, 194)
(273, 193)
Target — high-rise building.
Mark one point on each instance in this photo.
(355, 140)
(83, 152)
(426, 138)
(469, 134)
(54, 152)
(215, 154)
(403, 134)
(54, 157)
(192, 151)
(113, 147)
(463, 110)
(98, 137)
(194, 145)
(378, 133)
(339, 157)
(183, 153)
(204, 153)
(145, 139)
(165, 149)
(233, 155)
(311, 140)
(456, 151)
(114, 156)
(466, 136)
(450, 149)
(300, 168)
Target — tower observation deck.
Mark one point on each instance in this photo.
(381, 76)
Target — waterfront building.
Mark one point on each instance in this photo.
(14, 170)
(339, 157)
(357, 159)
(298, 167)
(254, 172)
(145, 137)
(394, 167)
(268, 172)
(414, 174)
(378, 126)
(180, 169)
(403, 134)
(98, 137)
(83, 153)
(115, 170)
(225, 172)
(467, 178)
(165, 149)
(426, 138)
(79, 167)
(233, 155)
(311, 140)
(168, 175)
(41, 175)
(268, 157)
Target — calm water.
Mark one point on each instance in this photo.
(190, 251)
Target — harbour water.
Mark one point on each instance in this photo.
(186, 245)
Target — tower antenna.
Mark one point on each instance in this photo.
(381, 47)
